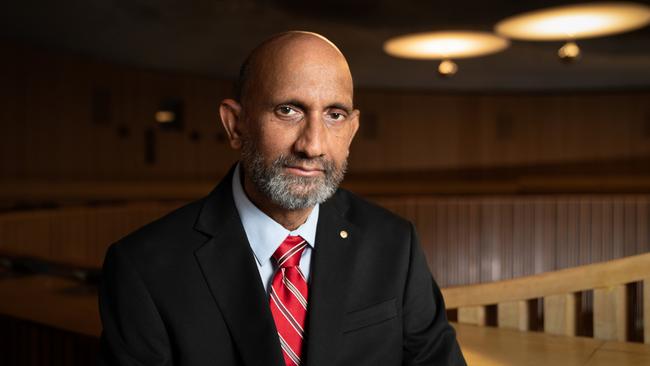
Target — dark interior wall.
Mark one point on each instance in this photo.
(65, 118)
(69, 118)
(425, 131)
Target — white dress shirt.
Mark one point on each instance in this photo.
(265, 235)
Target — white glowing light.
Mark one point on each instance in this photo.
(575, 21)
(445, 45)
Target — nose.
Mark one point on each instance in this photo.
(311, 141)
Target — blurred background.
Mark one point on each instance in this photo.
(515, 168)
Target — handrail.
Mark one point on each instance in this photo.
(598, 275)
(560, 291)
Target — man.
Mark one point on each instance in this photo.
(276, 266)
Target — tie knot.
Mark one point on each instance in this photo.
(289, 252)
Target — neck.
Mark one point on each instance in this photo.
(289, 219)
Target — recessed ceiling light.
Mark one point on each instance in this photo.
(445, 45)
(575, 21)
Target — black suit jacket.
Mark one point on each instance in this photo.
(185, 290)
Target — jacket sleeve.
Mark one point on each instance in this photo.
(428, 338)
(133, 331)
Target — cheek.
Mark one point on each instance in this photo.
(274, 140)
(340, 148)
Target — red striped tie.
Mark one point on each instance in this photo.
(289, 298)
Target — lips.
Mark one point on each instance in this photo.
(304, 170)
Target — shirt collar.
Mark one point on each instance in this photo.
(264, 234)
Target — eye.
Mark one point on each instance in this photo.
(336, 116)
(286, 110)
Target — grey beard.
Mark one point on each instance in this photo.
(289, 191)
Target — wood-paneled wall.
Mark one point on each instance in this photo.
(432, 131)
(77, 236)
(65, 117)
(471, 240)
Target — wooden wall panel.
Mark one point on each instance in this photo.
(645, 295)
(560, 314)
(500, 129)
(49, 132)
(74, 236)
(513, 315)
(439, 251)
(472, 239)
(611, 313)
(506, 240)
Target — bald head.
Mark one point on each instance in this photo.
(284, 52)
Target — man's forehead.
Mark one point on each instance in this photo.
(301, 67)
(310, 82)
(299, 59)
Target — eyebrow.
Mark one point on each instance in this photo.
(302, 105)
(344, 107)
(294, 102)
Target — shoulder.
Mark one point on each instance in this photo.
(166, 236)
(179, 233)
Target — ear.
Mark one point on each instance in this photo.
(230, 113)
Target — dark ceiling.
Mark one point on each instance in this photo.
(211, 37)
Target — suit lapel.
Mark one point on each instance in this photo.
(228, 265)
(331, 264)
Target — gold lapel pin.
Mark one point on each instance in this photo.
(344, 234)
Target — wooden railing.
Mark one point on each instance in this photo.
(559, 291)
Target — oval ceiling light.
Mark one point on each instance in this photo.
(571, 22)
(575, 21)
(445, 46)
